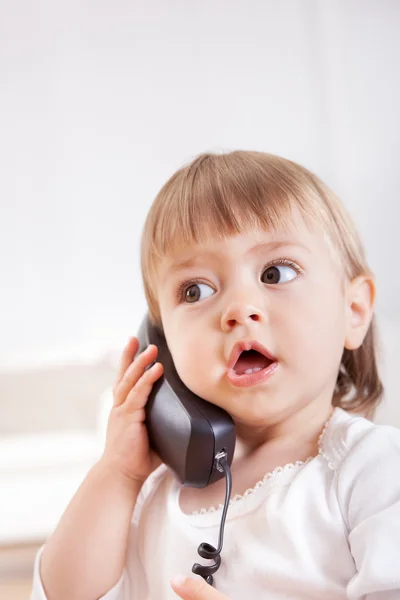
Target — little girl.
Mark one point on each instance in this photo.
(246, 250)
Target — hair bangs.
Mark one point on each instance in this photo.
(221, 195)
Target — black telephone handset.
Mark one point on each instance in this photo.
(195, 438)
(187, 432)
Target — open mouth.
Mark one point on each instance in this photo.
(251, 361)
(250, 364)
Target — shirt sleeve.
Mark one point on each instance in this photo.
(369, 495)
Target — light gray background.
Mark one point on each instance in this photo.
(101, 101)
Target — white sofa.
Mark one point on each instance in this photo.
(52, 431)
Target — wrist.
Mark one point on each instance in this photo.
(110, 472)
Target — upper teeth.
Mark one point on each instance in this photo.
(254, 370)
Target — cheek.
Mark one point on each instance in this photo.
(188, 351)
(196, 361)
(315, 328)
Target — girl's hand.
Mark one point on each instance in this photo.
(195, 589)
(127, 445)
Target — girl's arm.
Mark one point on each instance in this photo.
(85, 556)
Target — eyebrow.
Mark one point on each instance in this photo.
(194, 261)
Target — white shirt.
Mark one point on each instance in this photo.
(324, 529)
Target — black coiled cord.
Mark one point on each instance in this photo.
(206, 550)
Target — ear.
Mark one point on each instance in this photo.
(360, 302)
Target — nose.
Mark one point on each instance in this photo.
(240, 312)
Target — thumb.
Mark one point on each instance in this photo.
(195, 589)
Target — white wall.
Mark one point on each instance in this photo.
(101, 101)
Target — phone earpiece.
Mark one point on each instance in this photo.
(186, 431)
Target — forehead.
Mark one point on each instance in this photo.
(298, 236)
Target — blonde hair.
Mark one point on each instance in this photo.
(223, 194)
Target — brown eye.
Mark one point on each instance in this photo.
(192, 293)
(271, 275)
(274, 275)
(197, 291)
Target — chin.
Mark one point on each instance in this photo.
(257, 409)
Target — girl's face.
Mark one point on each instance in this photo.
(284, 290)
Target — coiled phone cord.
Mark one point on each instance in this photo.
(206, 550)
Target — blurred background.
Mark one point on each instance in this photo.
(100, 102)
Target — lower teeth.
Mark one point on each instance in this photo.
(253, 370)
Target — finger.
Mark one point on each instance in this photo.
(139, 394)
(127, 357)
(133, 373)
(195, 589)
